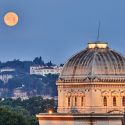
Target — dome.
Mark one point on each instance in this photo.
(97, 62)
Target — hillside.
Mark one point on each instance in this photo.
(21, 83)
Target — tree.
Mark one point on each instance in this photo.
(38, 61)
(34, 105)
(50, 81)
(10, 117)
(30, 107)
(49, 64)
(61, 65)
(14, 83)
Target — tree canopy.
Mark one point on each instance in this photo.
(10, 117)
(22, 112)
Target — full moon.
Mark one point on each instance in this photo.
(11, 19)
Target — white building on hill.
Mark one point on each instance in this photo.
(5, 77)
(44, 70)
(7, 69)
(6, 74)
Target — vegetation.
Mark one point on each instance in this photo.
(22, 112)
(34, 85)
(11, 117)
(17, 112)
(23, 66)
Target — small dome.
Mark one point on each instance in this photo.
(97, 61)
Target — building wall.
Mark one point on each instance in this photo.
(7, 70)
(73, 119)
(5, 77)
(38, 70)
(85, 122)
(93, 98)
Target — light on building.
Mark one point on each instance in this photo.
(100, 45)
(50, 111)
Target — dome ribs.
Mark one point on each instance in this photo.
(120, 61)
(76, 63)
(86, 61)
(94, 64)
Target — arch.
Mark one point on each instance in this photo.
(114, 101)
(105, 101)
(123, 101)
(82, 101)
(75, 101)
(69, 101)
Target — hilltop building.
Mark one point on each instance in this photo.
(44, 70)
(6, 74)
(7, 69)
(91, 89)
(5, 77)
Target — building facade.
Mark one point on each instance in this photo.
(44, 70)
(5, 77)
(20, 93)
(7, 69)
(6, 74)
(93, 81)
(91, 88)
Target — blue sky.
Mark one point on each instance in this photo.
(56, 29)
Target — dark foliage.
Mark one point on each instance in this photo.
(38, 61)
(10, 117)
(18, 112)
(34, 85)
(33, 105)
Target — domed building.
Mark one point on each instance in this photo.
(91, 88)
(93, 80)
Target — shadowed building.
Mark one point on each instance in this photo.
(91, 89)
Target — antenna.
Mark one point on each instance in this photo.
(98, 35)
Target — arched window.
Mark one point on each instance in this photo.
(69, 101)
(123, 101)
(114, 101)
(75, 101)
(105, 101)
(82, 101)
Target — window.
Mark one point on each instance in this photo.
(114, 101)
(82, 100)
(75, 101)
(68, 101)
(105, 101)
(123, 101)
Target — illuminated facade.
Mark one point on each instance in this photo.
(91, 88)
(6, 74)
(44, 70)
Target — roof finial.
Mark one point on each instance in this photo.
(98, 35)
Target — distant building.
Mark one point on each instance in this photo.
(44, 70)
(6, 74)
(47, 97)
(19, 93)
(5, 77)
(7, 69)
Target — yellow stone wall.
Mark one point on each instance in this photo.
(93, 95)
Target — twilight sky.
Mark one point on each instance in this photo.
(56, 29)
